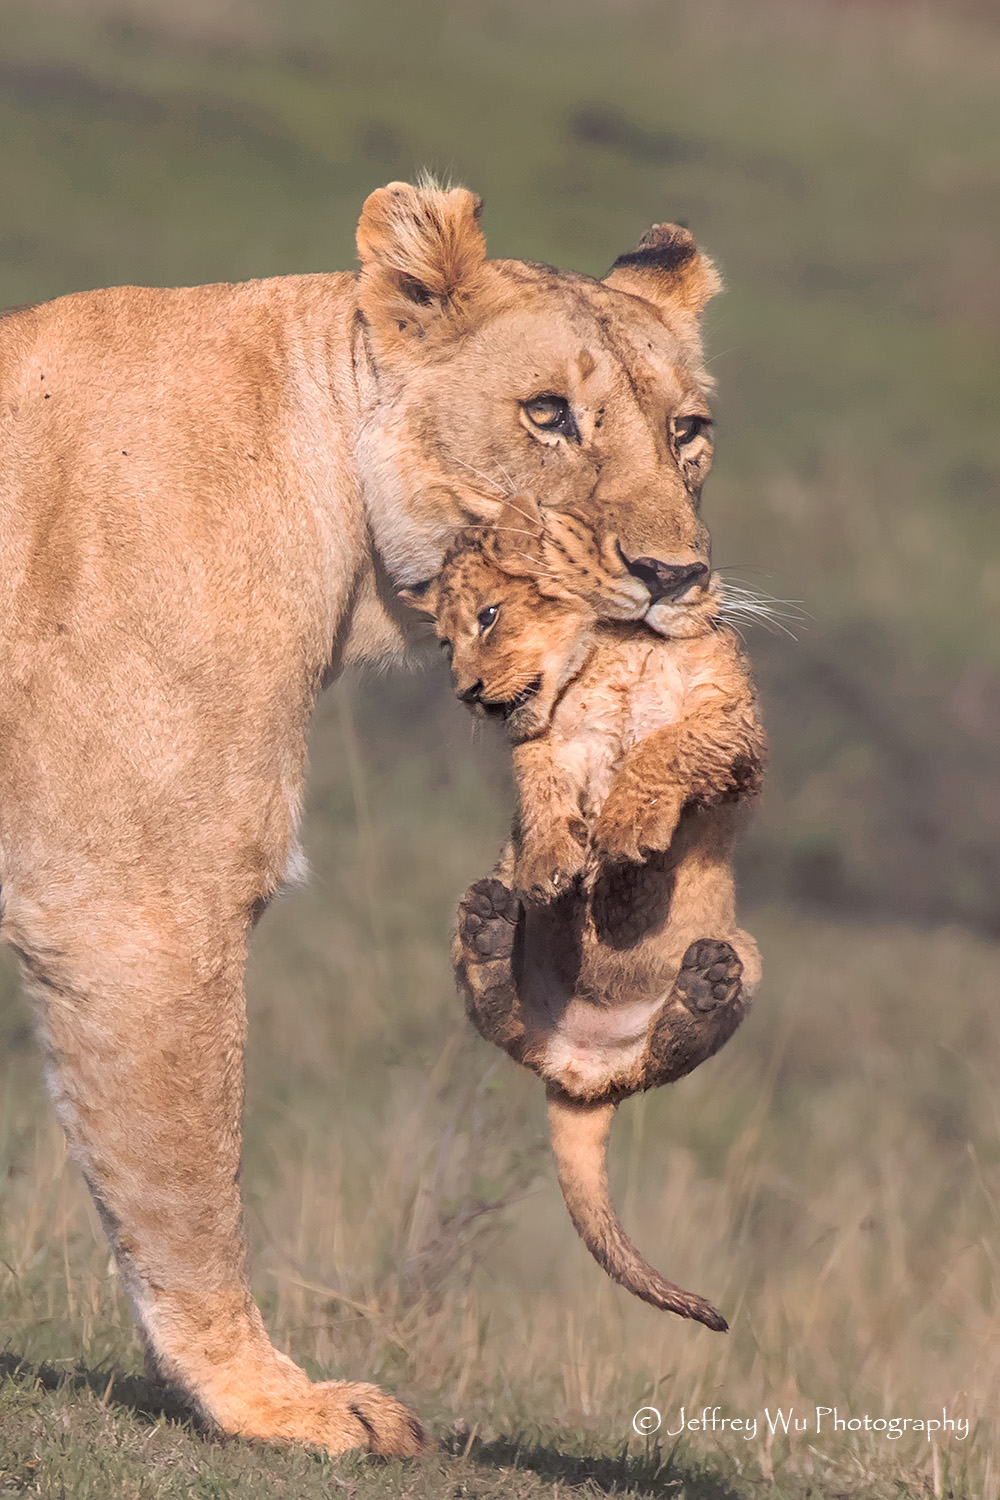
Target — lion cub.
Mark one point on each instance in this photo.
(604, 952)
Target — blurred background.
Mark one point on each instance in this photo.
(832, 1178)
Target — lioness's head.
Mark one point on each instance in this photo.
(480, 379)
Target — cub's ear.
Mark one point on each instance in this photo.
(667, 269)
(520, 518)
(423, 260)
(514, 540)
(422, 596)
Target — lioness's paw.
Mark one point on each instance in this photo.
(545, 871)
(333, 1414)
(362, 1416)
(487, 919)
(710, 975)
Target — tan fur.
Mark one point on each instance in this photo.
(579, 1143)
(207, 499)
(634, 759)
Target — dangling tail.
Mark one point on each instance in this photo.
(579, 1138)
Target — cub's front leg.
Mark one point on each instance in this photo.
(714, 754)
(550, 835)
(641, 810)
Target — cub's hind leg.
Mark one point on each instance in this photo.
(716, 965)
(704, 1008)
(483, 952)
(703, 898)
(141, 1011)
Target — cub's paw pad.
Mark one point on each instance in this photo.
(710, 975)
(487, 918)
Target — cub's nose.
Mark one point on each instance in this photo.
(667, 580)
(470, 694)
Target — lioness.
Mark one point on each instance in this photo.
(634, 760)
(207, 497)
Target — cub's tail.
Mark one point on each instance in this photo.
(579, 1138)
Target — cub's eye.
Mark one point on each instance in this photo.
(686, 429)
(551, 414)
(487, 616)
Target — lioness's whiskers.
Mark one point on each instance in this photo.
(513, 505)
(515, 530)
(741, 604)
(480, 475)
(540, 571)
(511, 486)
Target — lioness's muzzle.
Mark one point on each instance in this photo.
(667, 580)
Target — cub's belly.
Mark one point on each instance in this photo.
(592, 1046)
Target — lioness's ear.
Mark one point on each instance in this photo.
(667, 269)
(422, 596)
(423, 259)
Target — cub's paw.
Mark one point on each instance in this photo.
(487, 920)
(487, 925)
(625, 833)
(710, 975)
(704, 1008)
(545, 871)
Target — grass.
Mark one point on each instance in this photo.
(833, 1178)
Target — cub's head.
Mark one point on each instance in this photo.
(479, 379)
(512, 647)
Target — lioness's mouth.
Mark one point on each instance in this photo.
(495, 709)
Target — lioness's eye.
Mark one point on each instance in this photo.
(686, 429)
(448, 649)
(551, 414)
(487, 616)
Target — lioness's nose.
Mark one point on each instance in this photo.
(667, 580)
(470, 694)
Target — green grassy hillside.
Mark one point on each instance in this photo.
(833, 1178)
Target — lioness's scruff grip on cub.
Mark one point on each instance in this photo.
(208, 497)
(613, 961)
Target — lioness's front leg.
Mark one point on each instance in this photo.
(141, 1010)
